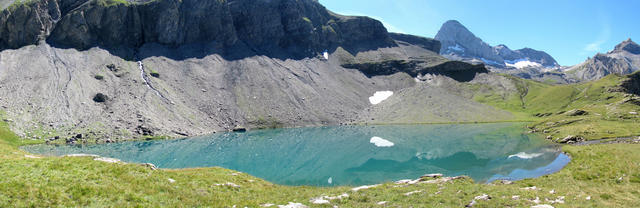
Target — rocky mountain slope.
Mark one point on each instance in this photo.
(458, 43)
(623, 59)
(113, 70)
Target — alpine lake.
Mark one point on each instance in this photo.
(348, 155)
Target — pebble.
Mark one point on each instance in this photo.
(412, 192)
(542, 206)
(293, 205)
(81, 155)
(107, 160)
(537, 200)
(319, 200)
(484, 197)
(150, 166)
(344, 195)
(32, 156)
(364, 187)
(228, 184)
(433, 175)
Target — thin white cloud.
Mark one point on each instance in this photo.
(603, 37)
(389, 26)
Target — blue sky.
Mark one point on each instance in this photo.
(569, 30)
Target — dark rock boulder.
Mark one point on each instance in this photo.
(143, 130)
(100, 98)
(570, 139)
(239, 129)
(576, 112)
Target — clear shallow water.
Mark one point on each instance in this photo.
(350, 155)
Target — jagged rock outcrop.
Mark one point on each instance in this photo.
(631, 84)
(426, 43)
(418, 56)
(627, 46)
(458, 42)
(457, 39)
(288, 27)
(536, 56)
(624, 59)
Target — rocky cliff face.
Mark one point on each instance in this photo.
(280, 27)
(426, 43)
(624, 59)
(458, 41)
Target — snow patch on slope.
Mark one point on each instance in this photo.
(456, 48)
(380, 96)
(490, 62)
(522, 63)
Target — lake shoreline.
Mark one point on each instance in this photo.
(417, 149)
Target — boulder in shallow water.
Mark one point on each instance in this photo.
(239, 129)
(431, 176)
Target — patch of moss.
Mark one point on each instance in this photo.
(150, 138)
(155, 74)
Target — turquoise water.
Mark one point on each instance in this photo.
(348, 155)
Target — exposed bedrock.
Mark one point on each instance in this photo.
(276, 28)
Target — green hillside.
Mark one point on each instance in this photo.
(609, 112)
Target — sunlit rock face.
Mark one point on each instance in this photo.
(623, 59)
